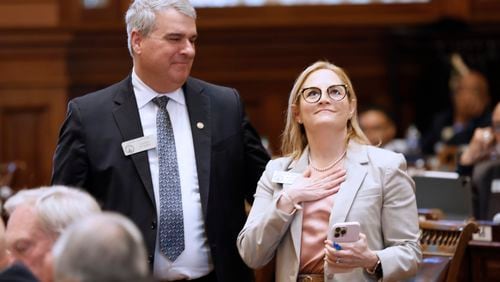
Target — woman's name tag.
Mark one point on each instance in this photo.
(284, 177)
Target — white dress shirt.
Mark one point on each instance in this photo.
(195, 261)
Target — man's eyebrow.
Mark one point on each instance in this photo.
(174, 34)
(180, 34)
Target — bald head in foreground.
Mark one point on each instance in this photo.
(102, 247)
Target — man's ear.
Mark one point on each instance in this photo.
(136, 41)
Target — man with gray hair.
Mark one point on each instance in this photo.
(175, 154)
(36, 219)
(10, 270)
(101, 247)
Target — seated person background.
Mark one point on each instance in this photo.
(455, 126)
(381, 130)
(484, 145)
(118, 254)
(36, 219)
(481, 160)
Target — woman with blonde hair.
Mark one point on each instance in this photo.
(329, 174)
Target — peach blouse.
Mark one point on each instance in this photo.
(314, 229)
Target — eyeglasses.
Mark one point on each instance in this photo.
(313, 94)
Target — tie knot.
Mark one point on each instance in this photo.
(161, 101)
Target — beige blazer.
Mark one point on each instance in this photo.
(378, 193)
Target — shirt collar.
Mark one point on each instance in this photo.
(144, 94)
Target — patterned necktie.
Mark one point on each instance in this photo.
(171, 215)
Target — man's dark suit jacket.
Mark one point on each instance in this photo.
(486, 203)
(230, 159)
(443, 120)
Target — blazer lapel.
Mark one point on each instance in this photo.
(198, 106)
(355, 161)
(298, 166)
(127, 118)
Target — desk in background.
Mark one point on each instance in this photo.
(485, 260)
(484, 254)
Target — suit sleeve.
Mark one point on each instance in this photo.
(256, 156)
(70, 163)
(399, 224)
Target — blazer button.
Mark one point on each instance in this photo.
(153, 224)
(150, 259)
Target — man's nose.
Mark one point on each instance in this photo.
(189, 48)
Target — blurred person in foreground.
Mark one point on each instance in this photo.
(380, 129)
(330, 175)
(175, 154)
(11, 270)
(101, 247)
(481, 160)
(36, 219)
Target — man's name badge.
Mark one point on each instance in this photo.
(495, 186)
(140, 144)
(284, 177)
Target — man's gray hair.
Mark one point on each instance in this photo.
(56, 207)
(101, 247)
(141, 15)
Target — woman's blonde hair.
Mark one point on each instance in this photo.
(294, 139)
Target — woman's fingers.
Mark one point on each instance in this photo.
(333, 175)
(337, 258)
(340, 263)
(351, 255)
(332, 191)
(330, 182)
(311, 189)
(337, 177)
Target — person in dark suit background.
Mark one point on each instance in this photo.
(219, 154)
(470, 109)
(380, 128)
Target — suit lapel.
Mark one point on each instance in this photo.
(198, 105)
(127, 118)
(354, 164)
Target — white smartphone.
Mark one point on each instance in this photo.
(344, 232)
(340, 233)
